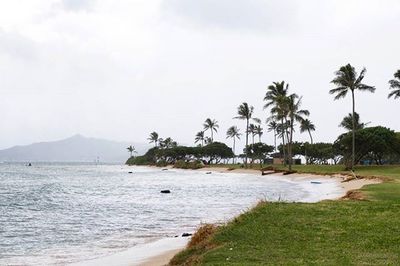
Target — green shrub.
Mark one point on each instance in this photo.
(138, 160)
(188, 165)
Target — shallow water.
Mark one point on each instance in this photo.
(53, 214)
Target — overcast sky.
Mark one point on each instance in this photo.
(121, 69)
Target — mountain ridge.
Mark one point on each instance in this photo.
(76, 148)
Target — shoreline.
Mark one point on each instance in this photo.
(346, 186)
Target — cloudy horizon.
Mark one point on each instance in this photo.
(121, 69)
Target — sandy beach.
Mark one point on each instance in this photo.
(347, 186)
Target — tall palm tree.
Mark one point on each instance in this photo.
(245, 112)
(347, 122)
(154, 138)
(200, 137)
(307, 125)
(295, 114)
(395, 85)
(347, 80)
(275, 98)
(273, 126)
(131, 150)
(233, 132)
(211, 125)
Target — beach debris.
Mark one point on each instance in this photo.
(315, 182)
(186, 235)
(165, 169)
(166, 191)
(208, 173)
(130, 172)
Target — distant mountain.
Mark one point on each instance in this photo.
(74, 149)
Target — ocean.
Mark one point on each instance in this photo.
(62, 213)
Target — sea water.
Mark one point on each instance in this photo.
(56, 214)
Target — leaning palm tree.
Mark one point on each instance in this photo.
(131, 150)
(200, 138)
(245, 112)
(395, 85)
(347, 122)
(346, 79)
(154, 138)
(307, 125)
(211, 125)
(233, 132)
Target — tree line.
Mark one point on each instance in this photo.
(285, 116)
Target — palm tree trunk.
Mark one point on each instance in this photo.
(275, 139)
(212, 135)
(354, 134)
(290, 145)
(284, 144)
(247, 142)
(309, 132)
(234, 155)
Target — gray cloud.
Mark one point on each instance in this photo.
(258, 15)
(17, 46)
(77, 5)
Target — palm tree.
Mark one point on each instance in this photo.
(275, 98)
(245, 112)
(295, 114)
(154, 138)
(395, 85)
(273, 126)
(200, 137)
(346, 80)
(233, 132)
(259, 132)
(131, 149)
(252, 131)
(211, 125)
(168, 143)
(307, 125)
(347, 122)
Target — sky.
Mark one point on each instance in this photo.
(121, 69)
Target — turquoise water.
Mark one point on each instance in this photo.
(55, 214)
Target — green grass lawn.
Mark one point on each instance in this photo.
(344, 232)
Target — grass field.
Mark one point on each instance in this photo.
(346, 232)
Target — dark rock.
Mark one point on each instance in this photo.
(208, 173)
(186, 235)
(165, 169)
(166, 191)
(130, 172)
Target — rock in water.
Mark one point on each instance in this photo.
(186, 235)
(166, 191)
